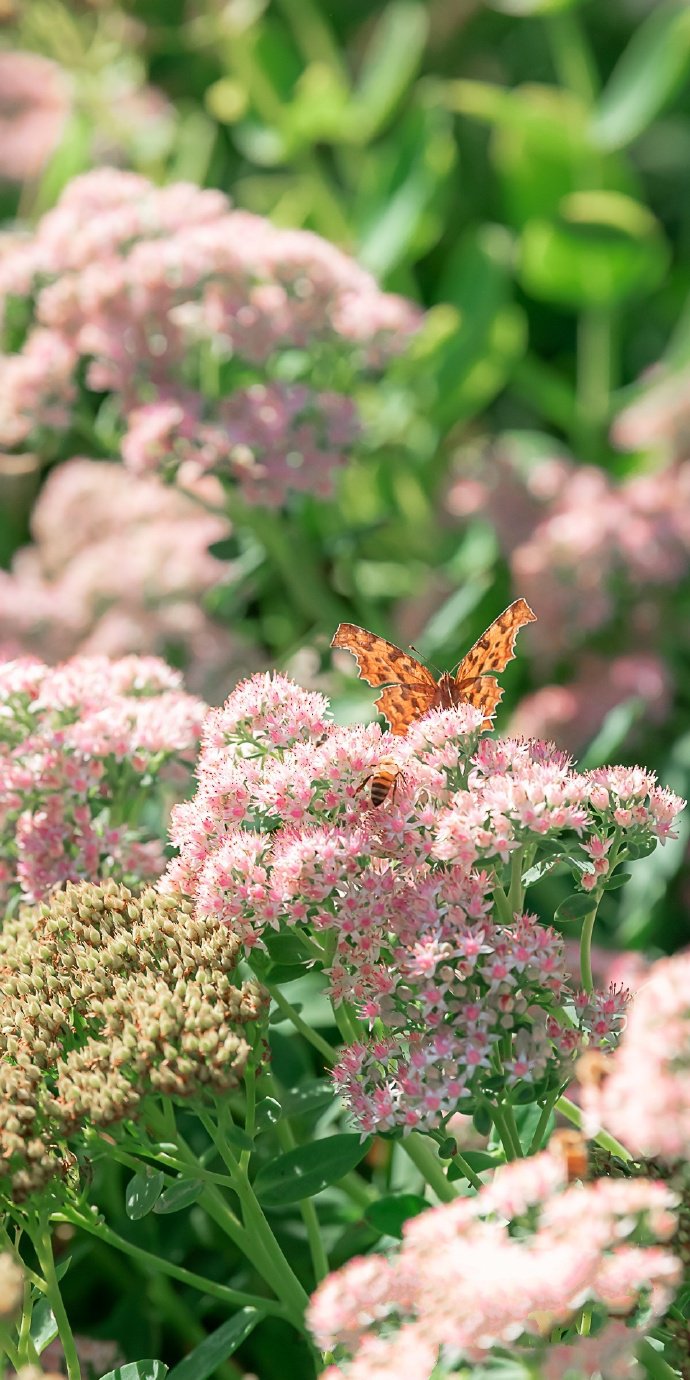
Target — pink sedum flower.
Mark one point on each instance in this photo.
(408, 903)
(508, 1265)
(77, 744)
(645, 1099)
(147, 293)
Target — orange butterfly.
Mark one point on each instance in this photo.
(410, 689)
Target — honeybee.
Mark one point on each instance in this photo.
(384, 780)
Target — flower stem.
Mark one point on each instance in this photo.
(159, 1264)
(602, 1138)
(503, 1131)
(586, 950)
(43, 1246)
(537, 1138)
(8, 1347)
(319, 1259)
(502, 904)
(512, 1129)
(419, 1150)
(288, 1010)
(515, 888)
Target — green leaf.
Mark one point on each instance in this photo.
(524, 8)
(477, 1160)
(617, 879)
(601, 250)
(482, 1122)
(389, 1215)
(237, 1137)
(575, 907)
(209, 1354)
(268, 1113)
(633, 851)
(648, 74)
(138, 1370)
(390, 63)
(287, 949)
(180, 1195)
(44, 1328)
(310, 1096)
(142, 1192)
(306, 1170)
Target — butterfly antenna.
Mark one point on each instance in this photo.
(424, 659)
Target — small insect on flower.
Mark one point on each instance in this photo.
(384, 781)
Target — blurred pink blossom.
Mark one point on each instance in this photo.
(572, 713)
(185, 312)
(35, 103)
(120, 564)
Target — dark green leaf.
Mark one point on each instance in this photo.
(209, 1354)
(478, 1160)
(308, 1097)
(286, 949)
(268, 1113)
(302, 1172)
(575, 908)
(482, 1122)
(237, 1137)
(633, 851)
(616, 880)
(180, 1195)
(447, 1149)
(388, 1215)
(648, 73)
(44, 1328)
(142, 1192)
(138, 1370)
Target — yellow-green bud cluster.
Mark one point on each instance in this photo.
(106, 999)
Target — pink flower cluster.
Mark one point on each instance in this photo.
(72, 593)
(221, 340)
(503, 1269)
(645, 1098)
(82, 748)
(35, 103)
(416, 908)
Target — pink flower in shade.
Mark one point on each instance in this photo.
(35, 103)
(144, 292)
(402, 899)
(610, 1354)
(645, 1099)
(71, 592)
(508, 1265)
(76, 744)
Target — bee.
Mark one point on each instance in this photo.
(384, 781)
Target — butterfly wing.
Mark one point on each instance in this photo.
(491, 652)
(410, 687)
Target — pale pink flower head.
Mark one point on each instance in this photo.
(35, 103)
(78, 743)
(505, 1267)
(645, 1098)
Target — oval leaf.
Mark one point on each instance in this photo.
(142, 1192)
(388, 1215)
(138, 1370)
(268, 1113)
(308, 1097)
(44, 1328)
(180, 1195)
(575, 907)
(477, 1160)
(308, 1169)
(647, 75)
(209, 1354)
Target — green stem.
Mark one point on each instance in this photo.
(316, 1040)
(515, 888)
(654, 1363)
(264, 1248)
(467, 1170)
(512, 1129)
(594, 352)
(8, 1347)
(235, 1297)
(608, 1142)
(586, 950)
(419, 1150)
(505, 1136)
(572, 58)
(43, 1246)
(501, 903)
(319, 1259)
(249, 1116)
(537, 1138)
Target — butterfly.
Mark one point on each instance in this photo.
(410, 688)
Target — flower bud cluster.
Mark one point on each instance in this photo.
(221, 339)
(108, 999)
(504, 1268)
(77, 743)
(417, 904)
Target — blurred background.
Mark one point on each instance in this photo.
(220, 435)
(512, 174)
